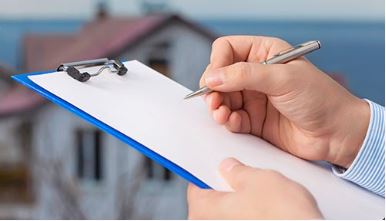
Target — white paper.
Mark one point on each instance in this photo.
(149, 108)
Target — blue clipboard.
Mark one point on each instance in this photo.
(24, 80)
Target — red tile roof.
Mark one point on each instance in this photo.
(106, 37)
(38, 49)
(100, 38)
(17, 100)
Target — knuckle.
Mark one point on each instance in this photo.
(218, 40)
(276, 44)
(216, 44)
(279, 40)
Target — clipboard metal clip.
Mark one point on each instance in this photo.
(72, 68)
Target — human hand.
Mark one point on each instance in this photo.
(295, 106)
(259, 194)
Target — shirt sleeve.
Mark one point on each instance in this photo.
(368, 167)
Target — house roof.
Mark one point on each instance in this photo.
(107, 37)
(38, 49)
(17, 100)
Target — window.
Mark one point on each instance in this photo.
(89, 155)
(15, 165)
(159, 64)
(159, 58)
(155, 171)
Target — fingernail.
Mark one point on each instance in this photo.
(214, 78)
(228, 164)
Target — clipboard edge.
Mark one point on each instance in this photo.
(24, 80)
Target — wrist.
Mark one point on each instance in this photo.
(353, 121)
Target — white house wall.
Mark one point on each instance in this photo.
(8, 154)
(55, 142)
(190, 51)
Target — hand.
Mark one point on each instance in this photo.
(295, 106)
(259, 194)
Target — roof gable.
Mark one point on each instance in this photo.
(99, 38)
(110, 35)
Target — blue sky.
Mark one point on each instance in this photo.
(204, 9)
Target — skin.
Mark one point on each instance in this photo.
(259, 194)
(294, 106)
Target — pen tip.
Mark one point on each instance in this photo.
(199, 92)
(187, 97)
(193, 94)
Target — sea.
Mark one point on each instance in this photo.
(353, 49)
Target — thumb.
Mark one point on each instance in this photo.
(268, 79)
(235, 172)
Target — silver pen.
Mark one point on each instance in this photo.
(280, 58)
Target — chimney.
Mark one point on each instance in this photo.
(102, 10)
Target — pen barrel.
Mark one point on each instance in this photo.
(294, 53)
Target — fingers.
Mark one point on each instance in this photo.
(224, 75)
(227, 109)
(222, 53)
(239, 175)
(269, 79)
(233, 100)
(234, 123)
(194, 192)
(214, 100)
(239, 122)
(264, 48)
(199, 200)
(236, 173)
(221, 115)
(231, 49)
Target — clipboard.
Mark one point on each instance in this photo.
(76, 74)
(198, 162)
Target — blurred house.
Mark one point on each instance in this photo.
(5, 80)
(55, 165)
